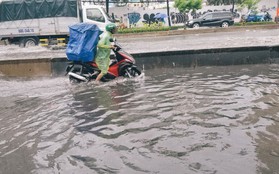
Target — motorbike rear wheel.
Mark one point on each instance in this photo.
(73, 79)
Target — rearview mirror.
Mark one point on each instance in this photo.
(112, 39)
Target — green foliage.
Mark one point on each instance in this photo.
(146, 28)
(159, 27)
(223, 2)
(250, 4)
(253, 23)
(187, 5)
(177, 27)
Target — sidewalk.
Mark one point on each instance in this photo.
(216, 46)
(202, 39)
(193, 39)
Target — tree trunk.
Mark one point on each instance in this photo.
(233, 6)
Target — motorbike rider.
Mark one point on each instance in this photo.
(103, 53)
(267, 17)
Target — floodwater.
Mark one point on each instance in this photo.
(208, 120)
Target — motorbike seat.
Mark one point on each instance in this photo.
(112, 62)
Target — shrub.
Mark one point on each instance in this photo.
(146, 28)
(253, 23)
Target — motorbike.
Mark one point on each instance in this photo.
(122, 64)
(267, 17)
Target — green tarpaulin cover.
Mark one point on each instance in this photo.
(31, 9)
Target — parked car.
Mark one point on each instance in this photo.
(218, 18)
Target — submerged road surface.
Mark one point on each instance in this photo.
(205, 120)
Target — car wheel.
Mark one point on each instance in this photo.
(225, 25)
(196, 25)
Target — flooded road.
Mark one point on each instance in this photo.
(209, 120)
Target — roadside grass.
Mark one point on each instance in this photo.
(253, 23)
(148, 28)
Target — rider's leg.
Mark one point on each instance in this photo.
(99, 76)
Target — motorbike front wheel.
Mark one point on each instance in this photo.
(131, 72)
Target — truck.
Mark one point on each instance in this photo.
(46, 22)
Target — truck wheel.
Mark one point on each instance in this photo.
(28, 42)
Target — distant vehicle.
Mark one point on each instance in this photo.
(254, 17)
(28, 22)
(219, 18)
(267, 17)
(257, 17)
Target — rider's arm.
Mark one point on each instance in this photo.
(104, 46)
(104, 42)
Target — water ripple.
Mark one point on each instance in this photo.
(184, 120)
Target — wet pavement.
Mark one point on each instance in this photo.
(246, 38)
(149, 43)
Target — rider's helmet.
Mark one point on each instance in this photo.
(111, 28)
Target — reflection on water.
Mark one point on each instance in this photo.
(204, 120)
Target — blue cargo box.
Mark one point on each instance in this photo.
(82, 45)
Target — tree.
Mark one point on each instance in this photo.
(250, 4)
(223, 2)
(187, 5)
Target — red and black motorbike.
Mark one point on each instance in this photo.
(122, 64)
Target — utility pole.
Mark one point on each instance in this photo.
(276, 19)
(168, 12)
(233, 6)
(107, 6)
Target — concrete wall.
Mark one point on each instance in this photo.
(188, 58)
(209, 57)
(26, 68)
